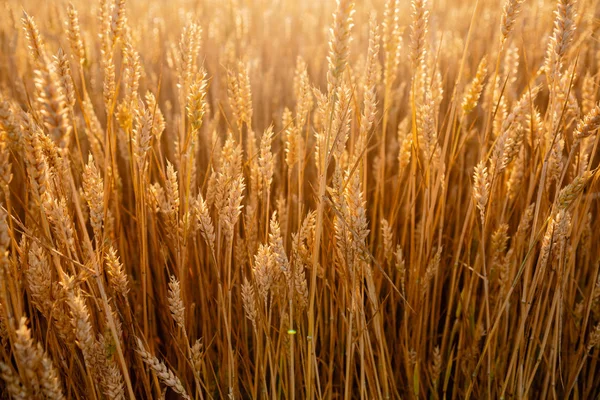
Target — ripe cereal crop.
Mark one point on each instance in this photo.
(280, 199)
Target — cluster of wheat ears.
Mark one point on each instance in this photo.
(299, 199)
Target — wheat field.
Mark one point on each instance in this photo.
(280, 199)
